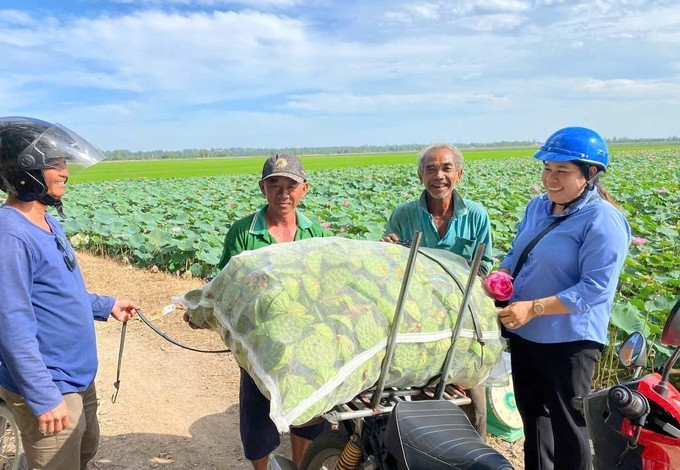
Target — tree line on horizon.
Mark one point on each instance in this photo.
(334, 150)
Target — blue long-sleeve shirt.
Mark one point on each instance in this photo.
(47, 337)
(579, 261)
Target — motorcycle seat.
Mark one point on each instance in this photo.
(437, 435)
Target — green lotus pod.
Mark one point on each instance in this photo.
(430, 325)
(256, 281)
(323, 375)
(452, 302)
(324, 331)
(203, 317)
(311, 286)
(377, 267)
(422, 360)
(336, 277)
(315, 352)
(368, 289)
(405, 355)
(282, 305)
(343, 320)
(275, 356)
(345, 347)
(442, 346)
(283, 260)
(387, 307)
(244, 325)
(393, 288)
(265, 299)
(285, 328)
(334, 258)
(193, 297)
(295, 392)
(333, 302)
(292, 286)
(368, 332)
(240, 357)
(413, 310)
(312, 263)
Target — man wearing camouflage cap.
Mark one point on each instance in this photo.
(284, 184)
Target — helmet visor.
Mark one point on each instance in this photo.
(58, 146)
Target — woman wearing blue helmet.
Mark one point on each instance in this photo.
(564, 287)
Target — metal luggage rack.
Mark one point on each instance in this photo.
(380, 400)
(360, 406)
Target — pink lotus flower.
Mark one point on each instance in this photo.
(662, 190)
(176, 229)
(342, 229)
(639, 241)
(345, 202)
(326, 224)
(404, 194)
(499, 285)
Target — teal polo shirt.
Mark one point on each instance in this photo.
(468, 226)
(250, 233)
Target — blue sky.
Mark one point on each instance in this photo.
(175, 74)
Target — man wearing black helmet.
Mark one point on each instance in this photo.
(48, 356)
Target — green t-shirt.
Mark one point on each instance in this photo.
(469, 226)
(250, 233)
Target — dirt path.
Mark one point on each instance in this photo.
(176, 409)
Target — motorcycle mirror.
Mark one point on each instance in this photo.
(671, 330)
(632, 352)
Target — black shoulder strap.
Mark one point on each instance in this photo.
(537, 238)
(525, 254)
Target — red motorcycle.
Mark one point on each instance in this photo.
(636, 425)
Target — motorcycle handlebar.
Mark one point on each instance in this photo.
(630, 403)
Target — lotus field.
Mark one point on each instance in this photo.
(178, 224)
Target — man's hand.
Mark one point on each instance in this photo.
(53, 421)
(124, 309)
(188, 320)
(390, 238)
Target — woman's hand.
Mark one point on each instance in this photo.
(54, 421)
(517, 314)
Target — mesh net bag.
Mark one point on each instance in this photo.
(309, 321)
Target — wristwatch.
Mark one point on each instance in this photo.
(538, 308)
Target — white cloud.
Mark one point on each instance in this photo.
(625, 88)
(379, 103)
(212, 3)
(355, 72)
(16, 17)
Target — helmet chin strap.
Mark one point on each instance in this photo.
(590, 184)
(56, 203)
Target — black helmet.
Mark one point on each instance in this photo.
(28, 145)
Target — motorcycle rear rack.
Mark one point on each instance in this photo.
(360, 406)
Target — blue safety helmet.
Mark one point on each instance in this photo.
(575, 143)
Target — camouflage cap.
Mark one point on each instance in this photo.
(284, 165)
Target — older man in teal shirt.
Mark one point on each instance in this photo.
(446, 220)
(450, 223)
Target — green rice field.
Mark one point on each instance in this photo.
(179, 168)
